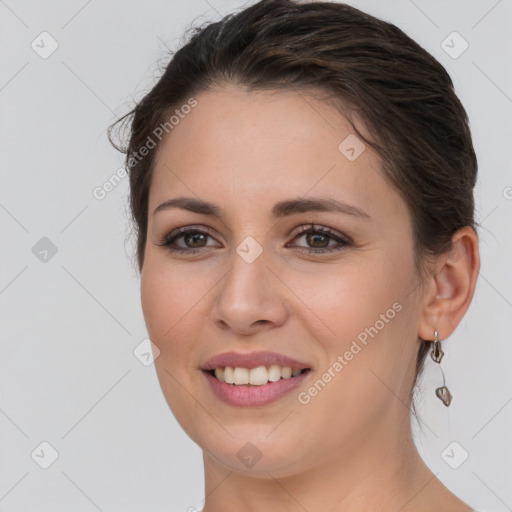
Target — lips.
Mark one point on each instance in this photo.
(252, 360)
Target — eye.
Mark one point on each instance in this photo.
(194, 240)
(319, 239)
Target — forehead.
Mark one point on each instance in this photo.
(264, 146)
(260, 124)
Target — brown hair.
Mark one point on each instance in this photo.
(371, 68)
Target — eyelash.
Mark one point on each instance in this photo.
(174, 235)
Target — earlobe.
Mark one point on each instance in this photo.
(452, 287)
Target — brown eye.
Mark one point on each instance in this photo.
(193, 239)
(320, 238)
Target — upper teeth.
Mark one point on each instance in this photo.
(255, 376)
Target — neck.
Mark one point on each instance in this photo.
(382, 472)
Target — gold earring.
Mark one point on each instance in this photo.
(437, 354)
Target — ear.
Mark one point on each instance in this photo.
(450, 286)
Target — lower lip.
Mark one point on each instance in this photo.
(248, 396)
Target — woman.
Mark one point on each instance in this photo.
(301, 183)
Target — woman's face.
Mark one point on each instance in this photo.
(342, 301)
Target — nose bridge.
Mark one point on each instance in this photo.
(244, 285)
(247, 296)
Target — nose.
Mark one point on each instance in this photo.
(250, 297)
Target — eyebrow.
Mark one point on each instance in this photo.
(279, 211)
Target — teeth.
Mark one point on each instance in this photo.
(219, 373)
(258, 376)
(255, 376)
(228, 375)
(274, 373)
(286, 372)
(241, 376)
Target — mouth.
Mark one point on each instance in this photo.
(259, 376)
(254, 387)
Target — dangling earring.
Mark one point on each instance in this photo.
(437, 354)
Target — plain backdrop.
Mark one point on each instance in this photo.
(71, 320)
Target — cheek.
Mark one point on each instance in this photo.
(155, 301)
(165, 303)
(168, 296)
(175, 302)
(365, 318)
(352, 296)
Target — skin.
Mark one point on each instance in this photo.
(350, 448)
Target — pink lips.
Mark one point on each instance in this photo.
(248, 395)
(252, 360)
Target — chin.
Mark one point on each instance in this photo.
(251, 450)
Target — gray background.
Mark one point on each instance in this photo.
(70, 321)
